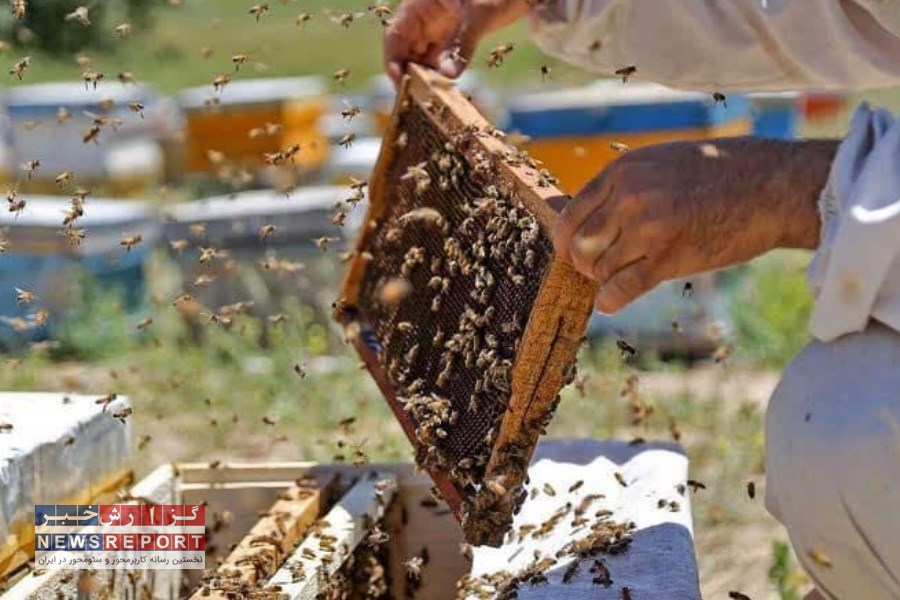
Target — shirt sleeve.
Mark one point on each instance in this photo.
(722, 45)
(855, 273)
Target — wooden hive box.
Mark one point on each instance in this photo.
(456, 302)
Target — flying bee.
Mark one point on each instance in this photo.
(350, 111)
(178, 245)
(5, 427)
(144, 441)
(751, 489)
(30, 166)
(266, 230)
(238, 60)
(16, 205)
(220, 82)
(626, 72)
(719, 97)
(106, 400)
(499, 53)
(549, 490)
(198, 229)
(300, 370)
(204, 280)
(80, 14)
(136, 107)
(19, 68)
(696, 485)
(346, 140)
(123, 30)
(722, 354)
(258, 10)
(626, 350)
(144, 324)
(302, 19)
(322, 242)
(619, 147)
(91, 78)
(545, 73)
(270, 421)
(205, 51)
(18, 9)
(576, 486)
(24, 297)
(207, 255)
(346, 19)
(674, 430)
(62, 115)
(126, 77)
(341, 75)
(129, 242)
(63, 178)
(620, 478)
(278, 319)
(687, 290)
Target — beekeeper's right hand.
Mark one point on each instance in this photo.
(443, 34)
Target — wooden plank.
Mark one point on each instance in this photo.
(259, 554)
(345, 526)
(247, 472)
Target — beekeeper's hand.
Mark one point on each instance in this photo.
(443, 34)
(677, 209)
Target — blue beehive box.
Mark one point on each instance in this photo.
(40, 258)
(775, 115)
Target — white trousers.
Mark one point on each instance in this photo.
(833, 463)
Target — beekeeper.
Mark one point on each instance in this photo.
(676, 209)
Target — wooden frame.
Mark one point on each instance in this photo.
(558, 318)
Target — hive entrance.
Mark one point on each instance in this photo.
(457, 304)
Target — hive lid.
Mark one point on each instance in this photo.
(472, 353)
(255, 91)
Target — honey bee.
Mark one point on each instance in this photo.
(346, 19)
(207, 255)
(129, 242)
(75, 236)
(137, 107)
(346, 140)
(24, 297)
(123, 414)
(266, 230)
(350, 111)
(16, 204)
(300, 370)
(63, 178)
(735, 595)
(323, 242)
(576, 486)
(198, 229)
(341, 75)
(571, 571)
(5, 427)
(302, 19)
(381, 12)
(92, 134)
(687, 290)
(91, 78)
(722, 354)
(80, 14)
(549, 490)
(18, 9)
(123, 30)
(499, 53)
(220, 82)
(144, 324)
(258, 10)
(819, 557)
(620, 478)
(178, 245)
(238, 60)
(106, 400)
(270, 421)
(719, 97)
(20, 67)
(619, 147)
(696, 485)
(626, 72)
(545, 73)
(751, 489)
(278, 319)
(626, 350)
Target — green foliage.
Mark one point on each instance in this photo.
(782, 572)
(46, 28)
(770, 307)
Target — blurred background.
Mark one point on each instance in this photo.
(176, 123)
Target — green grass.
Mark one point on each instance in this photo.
(168, 54)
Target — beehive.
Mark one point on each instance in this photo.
(472, 358)
(572, 130)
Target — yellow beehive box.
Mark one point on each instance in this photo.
(572, 131)
(235, 122)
